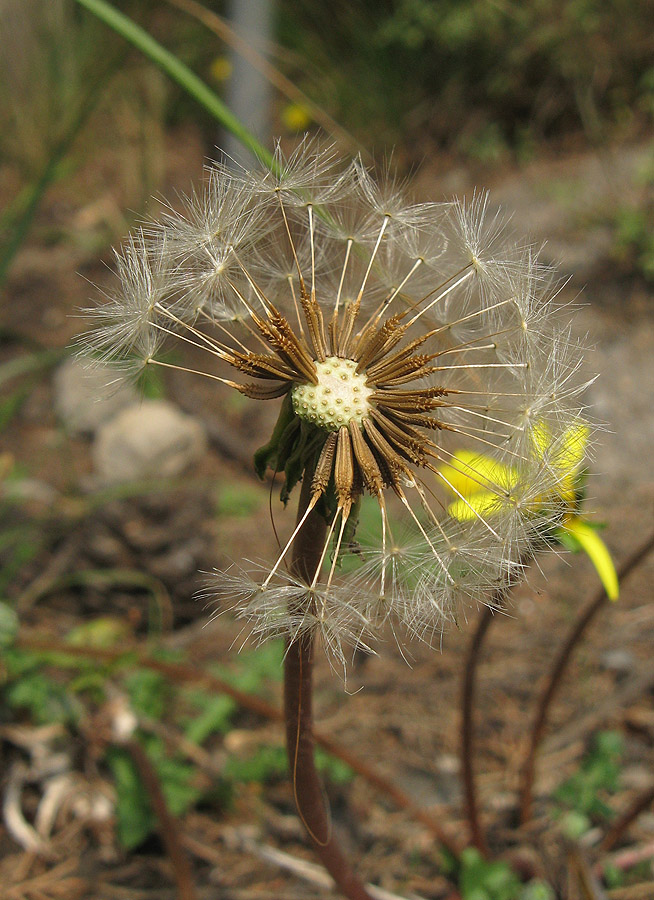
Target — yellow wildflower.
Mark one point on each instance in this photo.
(478, 480)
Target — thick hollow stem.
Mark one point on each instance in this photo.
(298, 665)
(467, 730)
(556, 676)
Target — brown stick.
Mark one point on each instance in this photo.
(555, 677)
(167, 824)
(298, 666)
(622, 823)
(467, 748)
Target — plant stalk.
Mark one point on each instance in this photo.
(556, 674)
(618, 828)
(298, 667)
(467, 730)
(168, 826)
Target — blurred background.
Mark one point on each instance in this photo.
(104, 539)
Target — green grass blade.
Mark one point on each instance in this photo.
(180, 73)
(17, 224)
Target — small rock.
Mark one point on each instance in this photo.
(104, 549)
(619, 662)
(150, 440)
(86, 395)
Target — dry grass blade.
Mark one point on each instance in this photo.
(222, 29)
(57, 883)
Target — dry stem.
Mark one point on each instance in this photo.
(555, 677)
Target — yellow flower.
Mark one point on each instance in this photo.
(221, 68)
(295, 117)
(483, 485)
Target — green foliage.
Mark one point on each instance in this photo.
(8, 626)
(103, 632)
(480, 879)
(148, 693)
(483, 75)
(239, 500)
(633, 239)
(34, 686)
(333, 769)
(582, 795)
(135, 817)
(269, 764)
(266, 764)
(30, 689)
(255, 668)
(483, 880)
(19, 545)
(537, 890)
(213, 716)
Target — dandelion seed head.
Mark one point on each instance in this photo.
(402, 341)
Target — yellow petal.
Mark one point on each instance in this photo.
(542, 438)
(470, 473)
(483, 503)
(566, 453)
(221, 68)
(571, 455)
(593, 545)
(295, 117)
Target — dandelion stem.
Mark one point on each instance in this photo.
(298, 667)
(556, 674)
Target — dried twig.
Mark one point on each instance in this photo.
(167, 824)
(467, 748)
(304, 869)
(591, 889)
(622, 823)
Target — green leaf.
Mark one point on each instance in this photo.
(135, 819)
(214, 717)
(177, 778)
(266, 764)
(598, 775)
(9, 626)
(480, 879)
(46, 700)
(148, 692)
(332, 768)
(537, 890)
